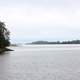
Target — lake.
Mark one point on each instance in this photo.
(41, 62)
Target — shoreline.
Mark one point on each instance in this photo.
(4, 49)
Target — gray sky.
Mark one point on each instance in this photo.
(30, 20)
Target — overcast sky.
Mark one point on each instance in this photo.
(31, 20)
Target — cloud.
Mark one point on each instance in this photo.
(41, 19)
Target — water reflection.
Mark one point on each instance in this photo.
(4, 53)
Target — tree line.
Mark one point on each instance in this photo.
(57, 42)
(4, 35)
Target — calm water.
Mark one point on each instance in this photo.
(48, 62)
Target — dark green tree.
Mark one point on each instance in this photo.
(4, 35)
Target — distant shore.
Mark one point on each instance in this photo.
(57, 42)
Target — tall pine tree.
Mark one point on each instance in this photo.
(4, 35)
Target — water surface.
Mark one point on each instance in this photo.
(41, 62)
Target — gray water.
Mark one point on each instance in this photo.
(41, 62)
